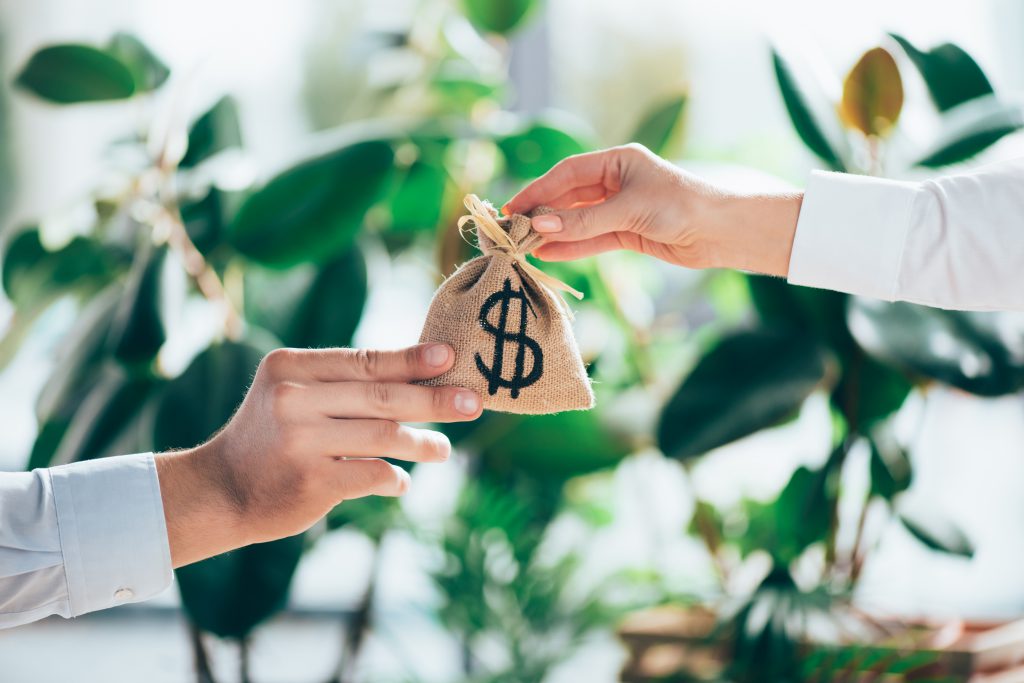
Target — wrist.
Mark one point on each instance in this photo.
(202, 520)
(754, 232)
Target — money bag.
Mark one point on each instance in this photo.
(507, 321)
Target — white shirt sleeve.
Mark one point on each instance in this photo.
(81, 537)
(956, 242)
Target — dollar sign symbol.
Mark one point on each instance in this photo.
(493, 374)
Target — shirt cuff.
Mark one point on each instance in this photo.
(850, 234)
(112, 531)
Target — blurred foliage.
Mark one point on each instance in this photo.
(865, 355)
(283, 262)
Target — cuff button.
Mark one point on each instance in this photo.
(122, 594)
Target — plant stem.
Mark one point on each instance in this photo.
(355, 636)
(199, 270)
(243, 661)
(202, 660)
(639, 352)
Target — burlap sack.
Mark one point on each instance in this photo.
(511, 333)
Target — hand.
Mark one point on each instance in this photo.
(279, 464)
(629, 198)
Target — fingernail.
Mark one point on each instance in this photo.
(436, 355)
(406, 480)
(506, 211)
(547, 224)
(467, 403)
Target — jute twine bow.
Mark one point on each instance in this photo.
(480, 213)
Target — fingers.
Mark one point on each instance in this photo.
(580, 195)
(575, 172)
(377, 438)
(422, 361)
(570, 251)
(348, 479)
(389, 401)
(586, 222)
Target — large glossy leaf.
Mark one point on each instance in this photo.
(229, 595)
(498, 16)
(79, 358)
(869, 391)
(951, 75)
(543, 446)
(148, 72)
(206, 220)
(110, 410)
(530, 152)
(217, 129)
(314, 210)
(655, 129)
(33, 275)
(891, 471)
(982, 353)
(310, 306)
(67, 74)
(800, 114)
(417, 200)
(872, 94)
(750, 381)
(138, 330)
(971, 128)
(817, 311)
(937, 532)
(205, 396)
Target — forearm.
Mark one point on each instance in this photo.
(753, 232)
(202, 521)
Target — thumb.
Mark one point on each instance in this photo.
(585, 222)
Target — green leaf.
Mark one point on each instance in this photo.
(417, 201)
(802, 309)
(891, 471)
(951, 75)
(555, 447)
(656, 128)
(79, 358)
(309, 307)
(33, 275)
(971, 129)
(313, 211)
(532, 151)
(750, 381)
(216, 130)
(109, 416)
(206, 220)
(204, 397)
(498, 16)
(800, 114)
(148, 72)
(868, 391)
(872, 94)
(138, 330)
(229, 595)
(982, 353)
(67, 74)
(938, 533)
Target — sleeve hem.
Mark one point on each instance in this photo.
(851, 234)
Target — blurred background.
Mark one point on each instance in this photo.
(186, 185)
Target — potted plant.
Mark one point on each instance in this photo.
(866, 357)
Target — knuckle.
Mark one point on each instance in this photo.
(441, 401)
(277, 362)
(635, 149)
(384, 431)
(440, 446)
(413, 357)
(282, 398)
(368, 361)
(378, 394)
(381, 472)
